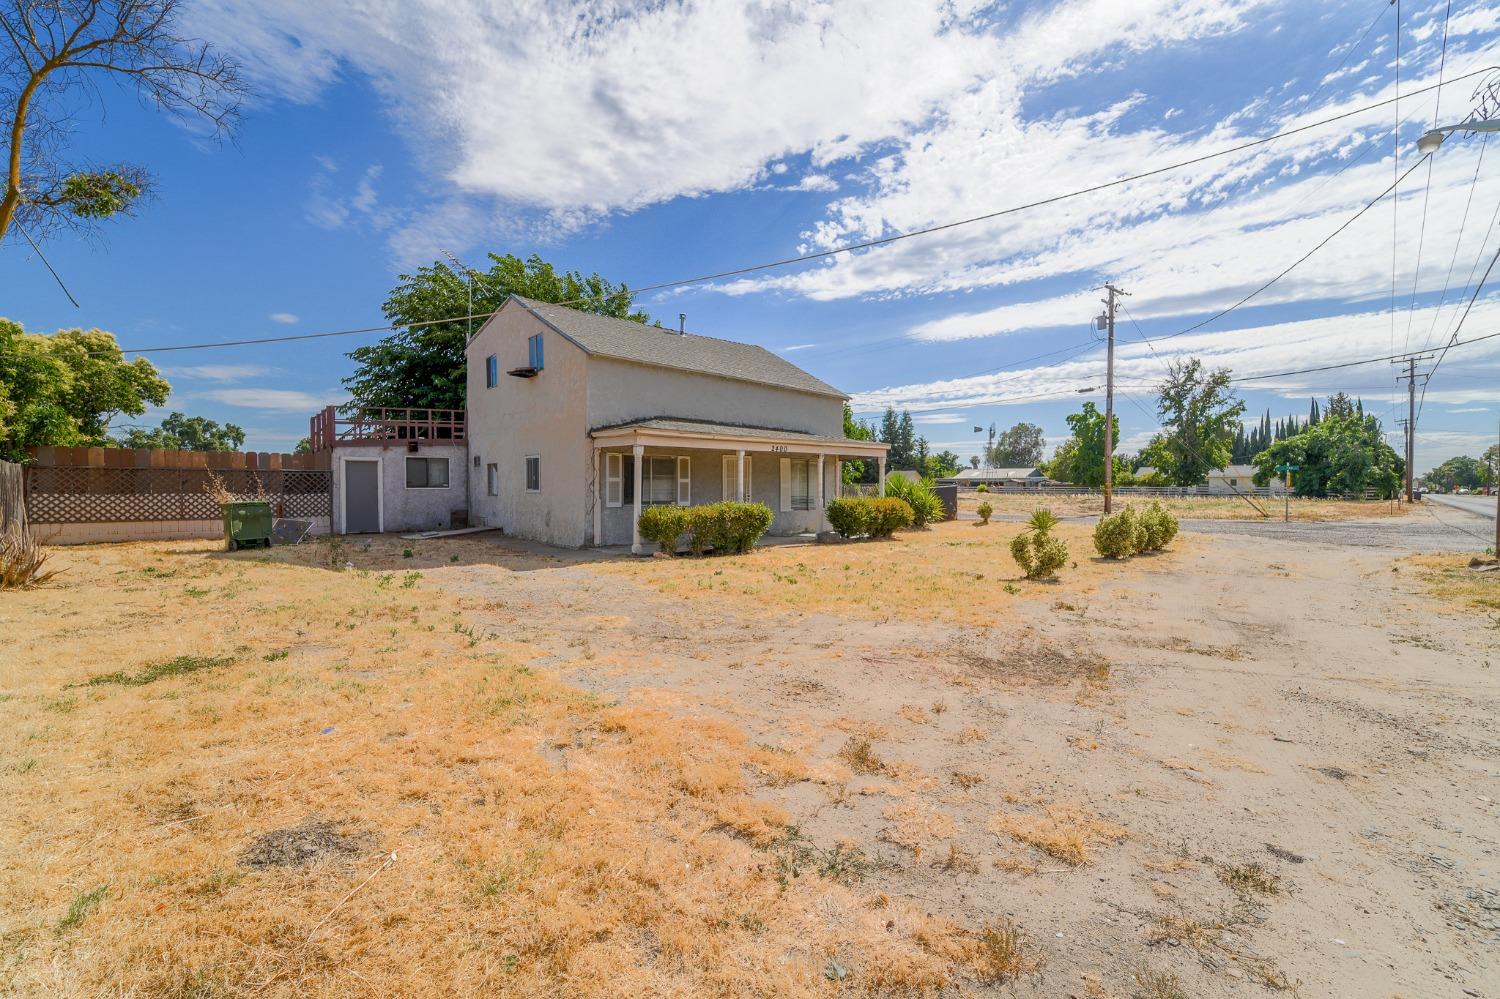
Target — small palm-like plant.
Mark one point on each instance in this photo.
(1035, 550)
(21, 562)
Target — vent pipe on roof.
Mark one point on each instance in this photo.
(682, 322)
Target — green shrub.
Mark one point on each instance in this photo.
(664, 525)
(850, 516)
(1035, 550)
(986, 509)
(1038, 553)
(1158, 527)
(726, 528)
(919, 496)
(889, 515)
(1119, 535)
(983, 488)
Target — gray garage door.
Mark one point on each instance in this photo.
(361, 497)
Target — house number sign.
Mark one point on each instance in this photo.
(778, 449)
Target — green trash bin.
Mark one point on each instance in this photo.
(246, 525)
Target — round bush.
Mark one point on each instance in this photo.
(1038, 553)
(986, 510)
(1158, 527)
(887, 516)
(664, 525)
(1118, 535)
(982, 488)
(850, 516)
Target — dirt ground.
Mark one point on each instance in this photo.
(1244, 765)
(1194, 508)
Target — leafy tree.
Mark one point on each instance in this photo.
(1080, 458)
(55, 54)
(1339, 455)
(973, 461)
(941, 465)
(1200, 415)
(858, 430)
(186, 433)
(899, 431)
(64, 389)
(423, 366)
(304, 446)
(1461, 472)
(1021, 446)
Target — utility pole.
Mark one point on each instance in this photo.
(1107, 321)
(1410, 363)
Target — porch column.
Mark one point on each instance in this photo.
(881, 459)
(838, 477)
(598, 502)
(818, 496)
(635, 519)
(739, 475)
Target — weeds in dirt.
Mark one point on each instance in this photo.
(1157, 985)
(795, 854)
(1250, 878)
(80, 907)
(181, 666)
(970, 733)
(1061, 832)
(965, 780)
(998, 955)
(958, 860)
(861, 757)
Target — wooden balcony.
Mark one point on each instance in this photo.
(328, 430)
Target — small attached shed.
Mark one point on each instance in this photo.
(396, 469)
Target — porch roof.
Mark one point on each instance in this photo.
(669, 432)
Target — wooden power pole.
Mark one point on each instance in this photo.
(1109, 396)
(1410, 374)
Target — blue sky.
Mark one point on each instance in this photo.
(653, 142)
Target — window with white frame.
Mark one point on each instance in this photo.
(665, 479)
(426, 473)
(492, 478)
(614, 479)
(534, 357)
(533, 473)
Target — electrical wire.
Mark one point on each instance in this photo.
(1457, 243)
(1452, 340)
(866, 244)
(1416, 273)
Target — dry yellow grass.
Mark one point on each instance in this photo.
(472, 824)
(955, 571)
(1063, 832)
(1449, 579)
(1194, 508)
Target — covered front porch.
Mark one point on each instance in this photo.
(686, 462)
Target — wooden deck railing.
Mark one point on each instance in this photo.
(328, 429)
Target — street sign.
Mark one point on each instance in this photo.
(1287, 468)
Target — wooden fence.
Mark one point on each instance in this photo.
(137, 485)
(12, 499)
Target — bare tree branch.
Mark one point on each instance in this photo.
(51, 54)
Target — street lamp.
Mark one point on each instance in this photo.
(1429, 143)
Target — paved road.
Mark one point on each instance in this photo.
(1482, 505)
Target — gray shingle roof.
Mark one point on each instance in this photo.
(706, 428)
(631, 341)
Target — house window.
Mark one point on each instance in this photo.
(427, 473)
(1234, 482)
(614, 479)
(492, 478)
(533, 473)
(663, 481)
(534, 352)
(729, 477)
(491, 371)
(802, 483)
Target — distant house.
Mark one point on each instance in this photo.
(577, 422)
(1234, 478)
(1024, 477)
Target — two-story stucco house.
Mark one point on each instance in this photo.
(577, 422)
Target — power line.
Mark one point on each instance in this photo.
(1302, 259)
(1416, 272)
(1457, 243)
(48, 264)
(1452, 342)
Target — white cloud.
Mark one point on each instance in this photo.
(280, 400)
(796, 347)
(221, 372)
(940, 418)
(285, 318)
(815, 182)
(330, 207)
(1471, 409)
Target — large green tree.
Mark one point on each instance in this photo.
(857, 430)
(64, 389)
(1341, 454)
(186, 433)
(57, 56)
(1200, 418)
(1021, 446)
(1461, 472)
(1080, 459)
(423, 365)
